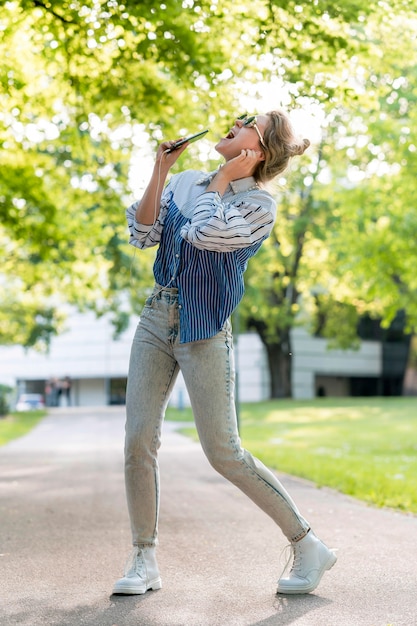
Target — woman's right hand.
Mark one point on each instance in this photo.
(148, 209)
(168, 159)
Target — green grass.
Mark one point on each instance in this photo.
(364, 447)
(18, 424)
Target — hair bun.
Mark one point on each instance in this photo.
(298, 148)
(306, 143)
(301, 147)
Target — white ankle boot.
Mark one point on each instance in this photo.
(311, 559)
(141, 573)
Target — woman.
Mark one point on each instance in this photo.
(207, 226)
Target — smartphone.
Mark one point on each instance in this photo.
(181, 142)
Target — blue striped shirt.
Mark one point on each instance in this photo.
(205, 241)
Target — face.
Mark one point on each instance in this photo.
(242, 137)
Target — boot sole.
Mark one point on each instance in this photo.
(331, 560)
(131, 590)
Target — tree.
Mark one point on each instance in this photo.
(83, 85)
(86, 85)
(341, 246)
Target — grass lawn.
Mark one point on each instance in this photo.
(364, 447)
(18, 424)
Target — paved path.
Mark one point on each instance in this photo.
(64, 539)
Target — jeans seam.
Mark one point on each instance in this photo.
(278, 493)
(154, 451)
(264, 482)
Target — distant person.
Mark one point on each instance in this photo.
(58, 392)
(54, 391)
(49, 393)
(206, 226)
(66, 389)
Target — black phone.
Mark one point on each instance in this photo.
(191, 138)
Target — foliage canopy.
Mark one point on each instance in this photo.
(87, 85)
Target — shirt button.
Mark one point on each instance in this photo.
(180, 306)
(177, 256)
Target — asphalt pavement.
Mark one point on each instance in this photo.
(65, 537)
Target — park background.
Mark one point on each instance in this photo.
(88, 90)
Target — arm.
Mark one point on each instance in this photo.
(145, 218)
(147, 210)
(225, 227)
(145, 236)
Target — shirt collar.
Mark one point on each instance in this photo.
(237, 186)
(206, 178)
(243, 184)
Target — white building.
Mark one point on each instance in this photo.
(97, 365)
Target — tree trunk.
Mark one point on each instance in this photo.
(279, 355)
(280, 362)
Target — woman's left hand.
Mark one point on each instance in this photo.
(239, 167)
(243, 165)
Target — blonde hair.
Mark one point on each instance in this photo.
(281, 144)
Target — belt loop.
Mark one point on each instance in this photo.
(156, 293)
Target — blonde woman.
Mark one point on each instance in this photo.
(206, 227)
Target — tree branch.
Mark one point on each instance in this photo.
(49, 9)
(306, 197)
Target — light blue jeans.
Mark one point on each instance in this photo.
(208, 370)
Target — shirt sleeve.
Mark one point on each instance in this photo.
(227, 226)
(146, 235)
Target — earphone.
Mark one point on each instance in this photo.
(176, 266)
(175, 146)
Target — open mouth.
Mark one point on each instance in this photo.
(230, 135)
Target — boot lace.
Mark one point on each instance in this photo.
(136, 563)
(291, 553)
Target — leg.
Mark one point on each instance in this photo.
(152, 374)
(208, 370)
